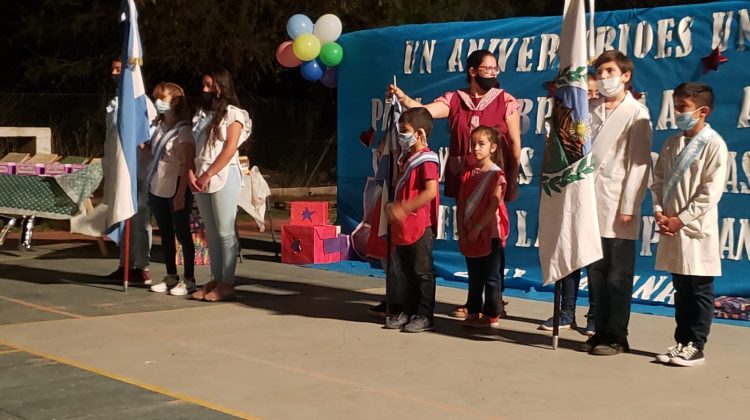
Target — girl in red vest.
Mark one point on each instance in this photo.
(483, 227)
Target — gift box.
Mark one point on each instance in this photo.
(306, 244)
(30, 169)
(309, 213)
(7, 168)
(340, 244)
(56, 169)
(76, 167)
(201, 250)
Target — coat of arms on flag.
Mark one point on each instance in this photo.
(568, 226)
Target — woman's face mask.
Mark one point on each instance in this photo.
(486, 83)
(161, 106)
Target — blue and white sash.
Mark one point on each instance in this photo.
(684, 159)
(158, 145)
(412, 164)
(476, 196)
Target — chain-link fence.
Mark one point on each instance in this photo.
(293, 142)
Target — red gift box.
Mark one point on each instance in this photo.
(309, 213)
(306, 244)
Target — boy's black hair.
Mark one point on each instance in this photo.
(417, 118)
(700, 93)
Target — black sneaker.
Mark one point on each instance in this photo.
(610, 349)
(671, 353)
(592, 342)
(397, 322)
(689, 356)
(418, 323)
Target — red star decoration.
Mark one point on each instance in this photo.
(367, 137)
(713, 61)
(551, 87)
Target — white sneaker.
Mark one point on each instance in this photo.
(169, 281)
(183, 288)
(670, 353)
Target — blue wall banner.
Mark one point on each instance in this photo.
(667, 46)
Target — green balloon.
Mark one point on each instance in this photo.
(331, 54)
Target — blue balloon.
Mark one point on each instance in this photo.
(311, 70)
(298, 25)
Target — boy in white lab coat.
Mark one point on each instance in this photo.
(689, 178)
(621, 154)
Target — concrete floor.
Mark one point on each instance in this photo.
(298, 344)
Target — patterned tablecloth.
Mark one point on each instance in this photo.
(53, 197)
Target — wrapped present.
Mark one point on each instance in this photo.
(7, 168)
(306, 244)
(30, 169)
(56, 168)
(76, 167)
(340, 244)
(201, 250)
(309, 213)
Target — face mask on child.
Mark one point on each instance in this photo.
(406, 140)
(685, 120)
(161, 106)
(609, 87)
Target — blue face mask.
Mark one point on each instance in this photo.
(685, 120)
(161, 106)
(406, 140)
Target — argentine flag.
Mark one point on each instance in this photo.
(568, 223)
(132, 127)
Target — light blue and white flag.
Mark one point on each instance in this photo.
(132, 127)
(568, 224)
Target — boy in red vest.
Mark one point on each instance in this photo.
(413, 220)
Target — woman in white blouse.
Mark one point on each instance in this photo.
(173, 150)
(219, 128)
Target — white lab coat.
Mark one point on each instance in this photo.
(622, 177)
(694, 250)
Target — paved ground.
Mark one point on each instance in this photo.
(298, 343)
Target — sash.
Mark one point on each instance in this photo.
(412, 164)
(157, 148)
(612, 128)
(486, 100)
(476, 196)
(684, 159)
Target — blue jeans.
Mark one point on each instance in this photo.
(693, 308)
(219, 211)
(485, 277)
(414, 276)
(569, 294)
(140, 239)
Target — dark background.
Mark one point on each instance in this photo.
(56, 57)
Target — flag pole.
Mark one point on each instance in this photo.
(556, 316)
(126, 257)
(389, 186)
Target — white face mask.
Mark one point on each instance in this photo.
(161, 106)
(610, 87)
(406, 140)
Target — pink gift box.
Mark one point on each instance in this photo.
(340, 244)
(30, 169)
(7, 168)
(57, 168)
(76, 167)
(305, 244)
(309, 213)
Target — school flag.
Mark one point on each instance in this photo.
(568, 223)
(132, 127)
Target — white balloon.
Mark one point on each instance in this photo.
(327, 28)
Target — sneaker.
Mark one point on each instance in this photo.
(610, 349)
(669, 354)
(567, 321)
(397, 322)
(689, 356)
(590, 326)
(418, 323)
(139, 276)
(183, 288)
(169, 281)
(481, 322)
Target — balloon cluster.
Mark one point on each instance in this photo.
(313, 48)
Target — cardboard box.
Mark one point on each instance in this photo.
(309, 213)
(305, 244)
(340, 244)
(43, 158)
(15, 157)
(30, 169)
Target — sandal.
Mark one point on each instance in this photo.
(201, 294)
(460, 312)
(221, 292)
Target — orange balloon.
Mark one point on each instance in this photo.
(285, 55)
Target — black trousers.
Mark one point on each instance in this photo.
(693, 308)
(414, 276)
(612, 280)
(485, 277)
(175, 223)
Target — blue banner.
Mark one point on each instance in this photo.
(667, 45)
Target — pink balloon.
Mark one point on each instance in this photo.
(285, 55)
